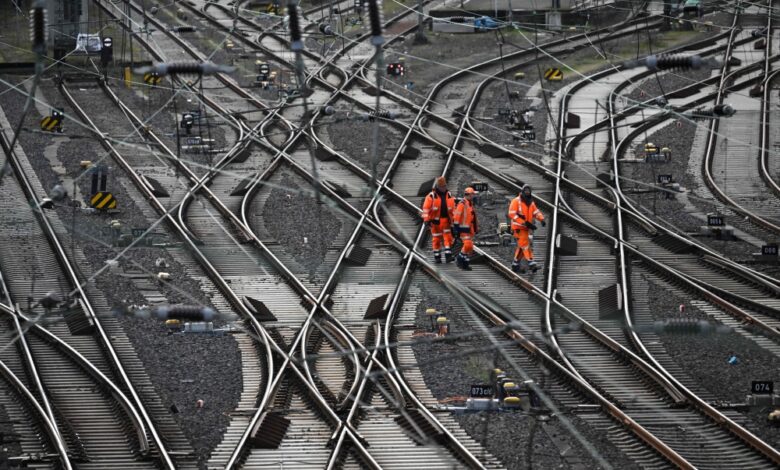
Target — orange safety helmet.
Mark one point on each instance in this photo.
(470, 190)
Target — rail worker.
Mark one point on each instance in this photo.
(523, 212)
(437, 209)
(465, 224)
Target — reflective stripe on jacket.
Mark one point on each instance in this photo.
(432, 206)
(520, 213)
(465, 217)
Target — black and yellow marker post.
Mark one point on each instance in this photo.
(52, 123)
(152, 78)
(553, 75)
(103, 201)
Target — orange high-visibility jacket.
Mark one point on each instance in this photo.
(520, 213)
(465, 217)
(432, 206)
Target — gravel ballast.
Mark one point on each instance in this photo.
(182, 368)
(302, 227)
(705, 359)
(518, 439)
(352, 135)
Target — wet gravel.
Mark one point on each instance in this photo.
(353, 136)
(637, 175)
(704, 358)
(182, 368)
(303, 228)
(188, 368)
(497, 129)
(666, 83)
(518, 439)
(9, 445)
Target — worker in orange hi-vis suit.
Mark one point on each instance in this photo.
(465, 225)
(523, 212)
(437, 210)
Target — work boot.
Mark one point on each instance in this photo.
(465, 264)
(516, 266)
(533, 266)
(448, 257)
(437, 259)
(459, 261)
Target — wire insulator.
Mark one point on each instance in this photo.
(185, 68)
(296, 43)
(375, 16)
(724, 110)
(185, 312)
(721, 110)
(38, 29)
(673, 62)
(326, 29)
(687, 326)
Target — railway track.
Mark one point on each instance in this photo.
(613, 270)
(297, 162)
(77, 364)
(240, 450)
(24, 401)
(727, 164)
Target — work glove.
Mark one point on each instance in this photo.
(531, 225)
(544, 224)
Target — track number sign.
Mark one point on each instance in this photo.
(769, 250)
(758, 387)
(481, 391)
(715, 220)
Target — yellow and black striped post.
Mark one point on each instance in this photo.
(103, 200)
(51, 123)
(152, 78)
(553, 75)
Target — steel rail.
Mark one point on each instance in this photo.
(769, 75)
(709, 155)
(48, 426)
(719, 418)
(282, 269)
(41, 404)
(227, 291)
(305, 294)
(635, 214)
(138, 417)
(457, 445)
(32, 369)
(200, 184)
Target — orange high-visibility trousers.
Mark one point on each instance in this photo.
(524, 249)
(441, 234)
(468, 243)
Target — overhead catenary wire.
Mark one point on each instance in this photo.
(39, 32)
